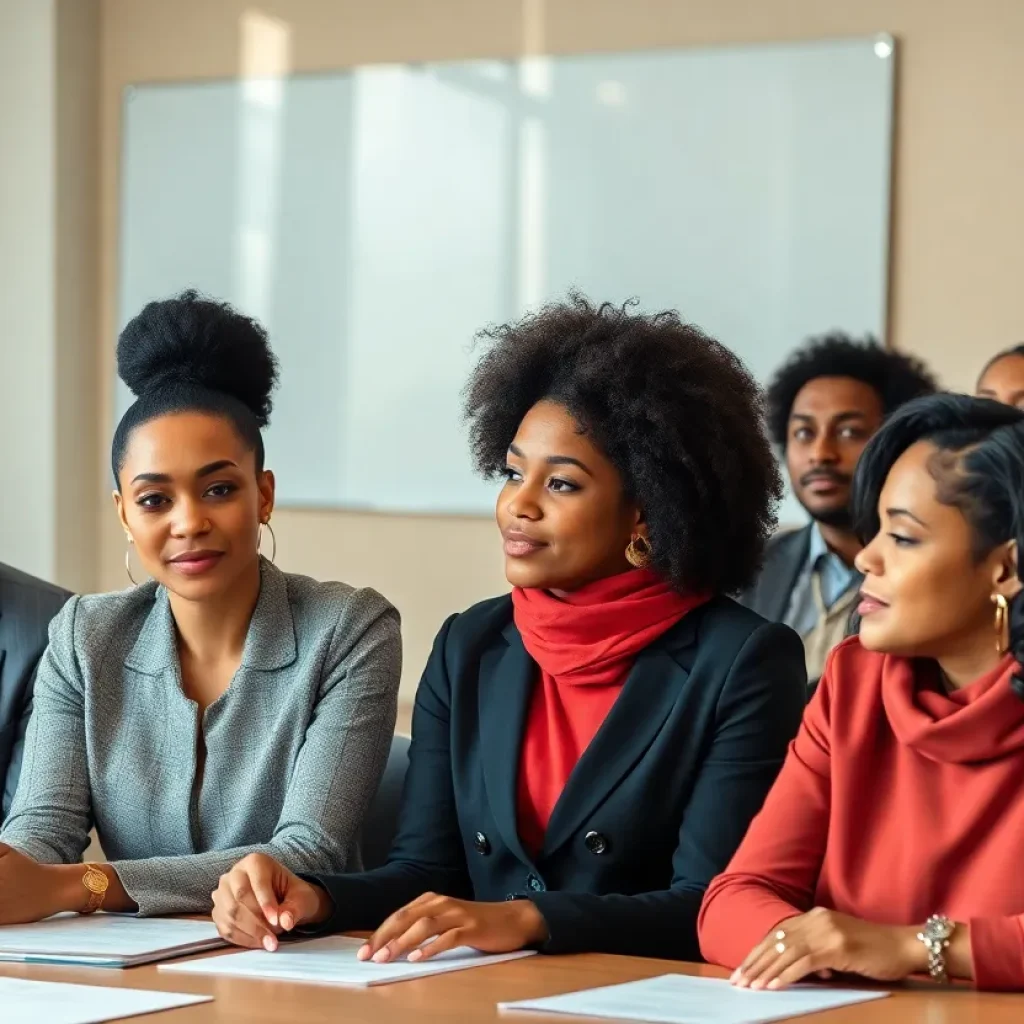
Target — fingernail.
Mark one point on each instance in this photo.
(287, 922)
(380, 956)
(271, 916)
(269, 943)
(757, 986)
(364, 953)
(736, 975)
(774, 984)
(415, 955)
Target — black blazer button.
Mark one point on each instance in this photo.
(481, 844)
(595, 843)
(535, 884)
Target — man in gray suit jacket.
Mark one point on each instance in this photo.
(824, 405)
(26, 607)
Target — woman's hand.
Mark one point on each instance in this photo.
(822, 941)
(29, 891)
(259, 898)
(444, 923)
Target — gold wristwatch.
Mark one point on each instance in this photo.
(96, 884)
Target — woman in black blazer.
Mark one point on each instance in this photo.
(637, 470)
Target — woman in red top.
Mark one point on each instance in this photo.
(588, 751)
(893, 841)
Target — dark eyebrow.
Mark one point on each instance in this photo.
(851, 414)
(163, 478)
(1015, 395)
(892, 513)
(554, 460)
(215, 467)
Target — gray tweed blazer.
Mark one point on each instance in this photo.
(295, 748)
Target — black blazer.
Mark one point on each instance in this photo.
(653, 811)
(26, 607)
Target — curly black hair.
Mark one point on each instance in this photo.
(676, 412)
(896, 377)
(193, 353)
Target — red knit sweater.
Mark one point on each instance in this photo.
(897, 801)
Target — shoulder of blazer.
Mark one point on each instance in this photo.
(90, 625)
(327, 603)
(480, 624)
(47, 596)
(787, 544)
(722, 622)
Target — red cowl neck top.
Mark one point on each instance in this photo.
(897, 801)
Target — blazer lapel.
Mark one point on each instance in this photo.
(155, 649)
(270, 643)
(507, 675)
(648, 696)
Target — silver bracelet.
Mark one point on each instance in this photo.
(935, 935)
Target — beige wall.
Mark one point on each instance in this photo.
(958, 204)
(26, 309)
(49, 114)
(76, 298)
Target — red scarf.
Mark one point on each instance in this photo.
(585, 643)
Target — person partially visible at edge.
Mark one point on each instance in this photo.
(1002, 380)
(588, 751)
(824, 405)
(27, 605)
(220, 706)
(892, 842)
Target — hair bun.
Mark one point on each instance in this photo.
(191, 341)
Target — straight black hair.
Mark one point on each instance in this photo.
(979, 469)
(1014, 350)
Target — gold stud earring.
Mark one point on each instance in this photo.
(1002, 623)
(639, 553)
(273, 541)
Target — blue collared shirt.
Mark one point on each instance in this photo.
(836, 579)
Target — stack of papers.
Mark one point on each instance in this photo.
(105, 940)
(29, 1002)
(680, 999)
(332, 961)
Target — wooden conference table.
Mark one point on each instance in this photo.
(469, 997)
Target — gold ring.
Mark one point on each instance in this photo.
(780, 948)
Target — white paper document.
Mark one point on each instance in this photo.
(105, 940)
(332, 961)
(680, 999)
(35, 1002)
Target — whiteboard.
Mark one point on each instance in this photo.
(375, 219)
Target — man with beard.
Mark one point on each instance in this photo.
(824, 405)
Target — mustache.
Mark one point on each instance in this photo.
(831, 475)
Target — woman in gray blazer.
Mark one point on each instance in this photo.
(222, 707)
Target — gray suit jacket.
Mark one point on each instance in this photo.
(784, 557)
(26, 607)
(295, 747)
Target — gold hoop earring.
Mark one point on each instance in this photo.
(127, 560)
(639, 552)
(1002, 623)
(273, 541)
